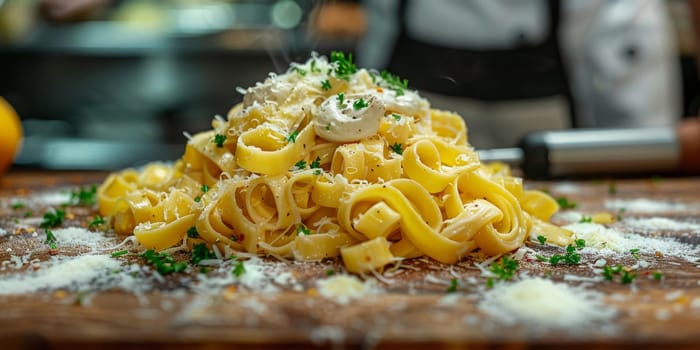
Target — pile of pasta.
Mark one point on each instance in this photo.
(329, 160)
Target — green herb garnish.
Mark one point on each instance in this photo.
(17, 205)
(53, 219)
(317, 171)
(316, 164)
(314, 69)
(394, 82)
(635, 253)
(359, 104)
(586, 219)
(300, 164)
(564, 203)
(330, 272)
(396, 116)
(120, 253)
(396, 147)
(503, 269)
(542, 239)
(163, 262)
(341, 100)
(51, 240)
(192, 232)
(626, 277)
(657, 275)
(300, 71)
(453, 286)
(239, 269)
(84, 196)
(205, 188)
(197, 199)
(201, 252)
(292, 138)
(219, 140)
(97, 221)
(326, 85)
(301, 229)
(571, 257)
(612, 187)
(343, 66)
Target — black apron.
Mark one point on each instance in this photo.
(527, 71)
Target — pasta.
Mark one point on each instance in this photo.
(328, 160)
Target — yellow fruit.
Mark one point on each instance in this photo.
(10, 134)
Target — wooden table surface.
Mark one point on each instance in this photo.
(412, 311)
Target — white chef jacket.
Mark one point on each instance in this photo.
(620, 56)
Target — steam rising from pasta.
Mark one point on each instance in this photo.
(316, 164)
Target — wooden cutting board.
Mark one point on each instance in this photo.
(408, 307)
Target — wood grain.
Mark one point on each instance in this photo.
(411, 312)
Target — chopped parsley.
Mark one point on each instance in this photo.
(293, 136)
(343, 65)
(396, 147)
(394, 82)
(219, 140)
(635, 253)
(317, 171)
(53, 219)
(542, 239)
(239, 269)
(201, 252)
(120, 253)
(586, 219)
(17, 205)
(197, 199)
(453, 286)
(396, 116)
(341, 100)
(326, 85)
(330, 272)
(503, 270)
(314, 69)
(84, 196)
(51, 240)
(300, 71)
(564, 203)
(626, 277)
(316, 164)
(163, 262)
(612, 187)
(657, 275)
(192, 232)
(300, 164)
(301, 229)
(205, 188)
(571, 257)
(97, 221)
(359, 104)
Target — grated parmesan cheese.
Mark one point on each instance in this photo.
(643, 205)
(81, 237)
(543, 303)
(343, 288)
(70, 274)
(659, 223)
(607, 240)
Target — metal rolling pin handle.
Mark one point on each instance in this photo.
(576, 152)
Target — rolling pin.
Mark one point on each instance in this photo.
(576, 152)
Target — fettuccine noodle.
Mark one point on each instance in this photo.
(322, 162)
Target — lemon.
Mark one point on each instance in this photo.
(10, 134)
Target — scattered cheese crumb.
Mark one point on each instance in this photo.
(643, 205)
(546, 304)
(71, 274)
(658, 223)
(343, 288)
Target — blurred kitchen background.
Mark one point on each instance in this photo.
(116, 84)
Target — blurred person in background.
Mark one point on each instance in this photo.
(510, 67)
